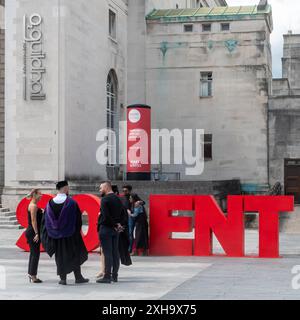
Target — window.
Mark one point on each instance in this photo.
(188, 28)
(208, 147)
(111, 115)
(206, 27)
(225, 26)
(206, 84)
(112, 24)
(196, 4)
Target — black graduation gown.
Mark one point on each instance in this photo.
(141, 231)
(124, 240)
(70, 253)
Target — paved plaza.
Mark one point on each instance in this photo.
(164, 278)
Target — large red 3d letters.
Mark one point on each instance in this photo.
(89, 204)
(208, 219)
(229, 230)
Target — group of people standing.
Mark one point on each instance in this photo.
(58, 229)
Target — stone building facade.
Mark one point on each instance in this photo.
(284, 120)
(70, 72)
(199, 64)
(2, 86)
(84, 48)
(213, 69)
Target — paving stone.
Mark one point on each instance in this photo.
(163, 278)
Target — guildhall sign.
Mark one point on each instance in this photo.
(33, 58)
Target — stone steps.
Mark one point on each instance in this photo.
(13, 227)
(7, 214)
(8, 219)
(8, 222)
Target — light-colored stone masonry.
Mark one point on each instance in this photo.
(56, 138)
(284, 111)
(156, 63)
(236, 114)
(2, 93)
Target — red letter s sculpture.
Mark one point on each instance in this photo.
(87, 203)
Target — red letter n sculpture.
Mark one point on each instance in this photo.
(229, 229)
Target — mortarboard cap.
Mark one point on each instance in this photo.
(61, 184)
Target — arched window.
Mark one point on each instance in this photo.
(111, 94)
(112, 117)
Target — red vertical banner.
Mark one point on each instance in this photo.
(139, 142)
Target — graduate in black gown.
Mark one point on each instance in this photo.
(61, 234)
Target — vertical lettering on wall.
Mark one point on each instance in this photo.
(33, 58)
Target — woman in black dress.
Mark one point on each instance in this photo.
(35, 215)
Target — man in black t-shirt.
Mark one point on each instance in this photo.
(109, 226)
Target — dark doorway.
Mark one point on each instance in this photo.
(292, 178)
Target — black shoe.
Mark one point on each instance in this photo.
(114, 278)
(104, 280)
(82, 280)
(63, 282)
(36, 280)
